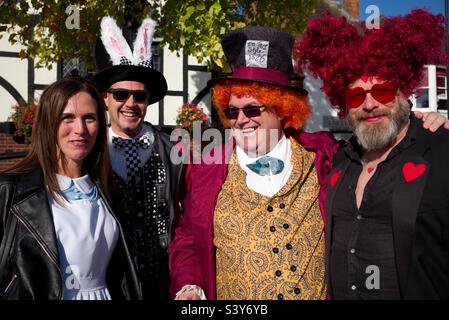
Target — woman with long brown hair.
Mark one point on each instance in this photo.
(59, 236)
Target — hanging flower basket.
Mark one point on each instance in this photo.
(23, 117)
(188, 114)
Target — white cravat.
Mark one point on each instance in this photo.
(267, 185)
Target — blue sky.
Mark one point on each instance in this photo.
(394, 7)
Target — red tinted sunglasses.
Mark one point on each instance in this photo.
(382, 92)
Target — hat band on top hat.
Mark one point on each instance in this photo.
(255, 73)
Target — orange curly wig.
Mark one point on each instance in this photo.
(290, 105)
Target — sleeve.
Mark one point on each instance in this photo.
(182, 251)
(8, 224)
(6, 196)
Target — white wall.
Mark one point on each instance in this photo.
(15, 71)
(171, 106)
(320, 105)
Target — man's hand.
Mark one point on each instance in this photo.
(189, 295)
(190, 292)
(432, 120)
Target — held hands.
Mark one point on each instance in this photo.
(432, 120)
(188, 295)
(190, 292)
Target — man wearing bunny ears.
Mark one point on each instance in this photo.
(146, 180)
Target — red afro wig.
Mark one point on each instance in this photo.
(340, 53)
(292, 106)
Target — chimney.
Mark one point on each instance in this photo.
(352, 8)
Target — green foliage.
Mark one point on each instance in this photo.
(42, 31)
(197, 26)
(194, 26)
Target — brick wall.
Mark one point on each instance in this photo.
(7, 144)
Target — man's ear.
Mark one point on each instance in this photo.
(104, 95)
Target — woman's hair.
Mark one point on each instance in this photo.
(288, 104)
(43, 152)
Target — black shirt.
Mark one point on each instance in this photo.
(362, 259)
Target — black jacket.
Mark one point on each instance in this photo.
(163, 145)
(32, 269)
(420, 215)
(174, 172)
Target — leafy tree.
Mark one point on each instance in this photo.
(197, 26)
(194, 26)
(48, 30)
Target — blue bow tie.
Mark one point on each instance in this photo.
(267, 166)
(143, 142)
(73, 193)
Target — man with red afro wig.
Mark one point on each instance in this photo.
(253, 226)
(387, 206)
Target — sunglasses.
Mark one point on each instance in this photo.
(123, 94)
(382, 92)
(249, 111)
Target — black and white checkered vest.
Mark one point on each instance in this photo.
(145, 220)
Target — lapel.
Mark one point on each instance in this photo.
(335, 178)
(34, 211)
(406, 200)
(206, 180)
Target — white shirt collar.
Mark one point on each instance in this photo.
(146, 130)
(281, 151)
(84, 183)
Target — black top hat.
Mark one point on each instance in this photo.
(259, 54)
(116, 61)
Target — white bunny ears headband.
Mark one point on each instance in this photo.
(116, 61)
(119, 50)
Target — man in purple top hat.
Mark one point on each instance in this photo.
(252, 226)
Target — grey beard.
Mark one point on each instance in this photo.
(376, 137)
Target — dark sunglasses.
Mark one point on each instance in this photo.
(123, 94)
(382, 92)
(249, 111)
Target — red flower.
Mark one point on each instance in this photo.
(23, 118)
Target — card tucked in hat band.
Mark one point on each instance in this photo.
(256, 53)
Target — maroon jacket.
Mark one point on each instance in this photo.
(192, 253)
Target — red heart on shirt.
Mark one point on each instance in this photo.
(335, 177)
(370, 170)
(412, 171)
